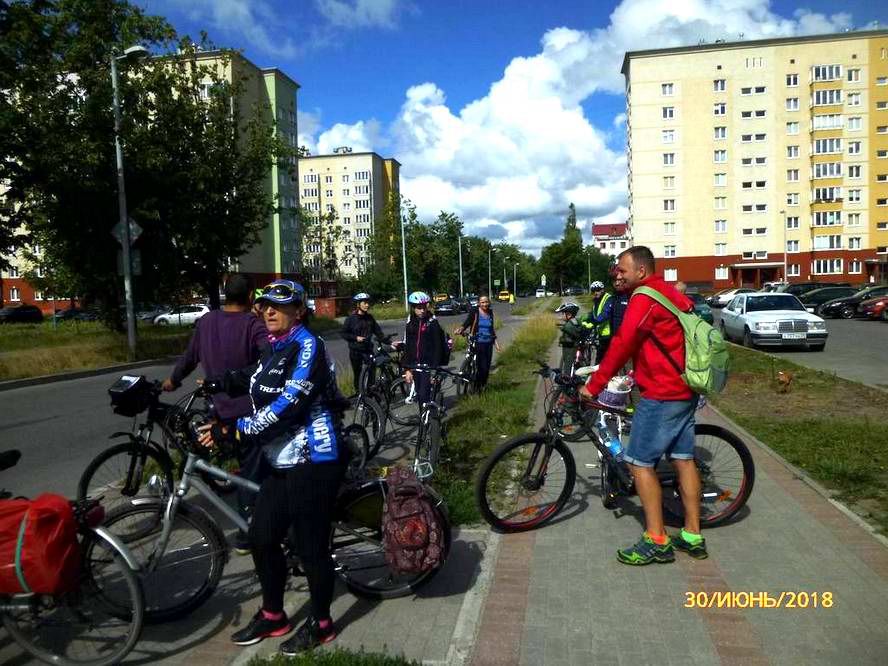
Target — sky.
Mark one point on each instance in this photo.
(502, 112)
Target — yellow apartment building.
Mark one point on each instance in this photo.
(761, 160)
(356, 186)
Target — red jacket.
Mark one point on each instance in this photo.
(655, 375)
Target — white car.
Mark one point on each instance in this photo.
(184, 315)
(541, 292)
(722, 298)
(772, 319)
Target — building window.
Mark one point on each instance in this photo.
(668, 228)
(882, 178)
(792, 152)
(854, 147)
(826, 72)
(828, 170)
(721, 179)
(328, 179)
(720, 109)
(882, 129)
(855, 124)
(721, 203)
(667, 88)
(719, 85)
(833, 242)
(827, 218)
(853, 219)
(826, 267)
(792, 246)
(792, 222)
(721, 226)
(794, 270)
(668, 251)
(881, 226)
(882, 80)
(822, 194)
(14, 294)
(854, 99)
(855, 266)
(670, 274)
(668, 112)
(828, 97)
(668, 159)
(38, 295)
(792, 199)
(755, 62)
(720, 156)
(881, 154)
(759, 161)
(310, 178)
(792, 80)
(881, 106)
(362, 175)
(853, 75)
(792, 175)
(828, 121)
(854, 196)
(328, 193)
(13, 272)
(669, 205)
(854, 243)
(721, 272)
(792, 103)
(855, 170)
(720, 133)
(346, 193)
(668, 182)
(792, 128)
(668, 136)
(721, 249)
(826, 146)
(882, 202)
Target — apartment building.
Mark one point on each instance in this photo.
(611, 239)
(749, 156)
(354, 186)
(273, 93)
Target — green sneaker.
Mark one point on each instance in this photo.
(647, 551)
(695, 550)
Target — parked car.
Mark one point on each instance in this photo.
(874, 308)
(151, 312)
(463, 303)
(722, 298)
(846, 307)
(800, 288)
(441, 297)
(449, 307)
(772, 286)
(772, 319)
(472, 300)
(700, 307)
(76, 314)
(184, 315)
(815, 298)
(572, 291)
(21, 314)
(503, 296)
(540, 292)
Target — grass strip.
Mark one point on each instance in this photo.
(480, 423)
(337, 657)
(833, 428)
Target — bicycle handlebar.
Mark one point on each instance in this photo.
(423, 367)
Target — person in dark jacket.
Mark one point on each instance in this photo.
(358, 330)
(424, 343)
(480, 322)
(296, 424)
(228, 339)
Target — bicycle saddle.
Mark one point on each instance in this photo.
(585, 371)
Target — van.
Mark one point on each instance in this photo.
(541, 292)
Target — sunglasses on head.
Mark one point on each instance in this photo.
(281, 290)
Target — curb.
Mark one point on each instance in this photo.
(805, 478)
(80, 374)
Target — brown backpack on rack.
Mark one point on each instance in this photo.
(412, 535)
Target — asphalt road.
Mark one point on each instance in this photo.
(856, 349)
(60, 427)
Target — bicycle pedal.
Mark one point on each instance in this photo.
(592, 465)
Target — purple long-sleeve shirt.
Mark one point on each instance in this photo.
(223, 341)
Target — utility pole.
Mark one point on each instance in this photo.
(404, 263)
(783, 215)
(459, 245)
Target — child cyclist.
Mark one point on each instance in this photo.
(425, 342)
(571, 334)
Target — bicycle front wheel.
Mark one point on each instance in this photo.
(122, 471)
(369, 415)
(400, 411)
(97, 624)
(187, 572)
(357, 551)
(563, 414)
(525, 482)
(727, 475)
(467, 371)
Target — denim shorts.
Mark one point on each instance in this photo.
(661, 427)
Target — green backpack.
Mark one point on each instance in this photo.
(706, 354)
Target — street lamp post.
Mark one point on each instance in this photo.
(589, 269)
(459, 245)
(515, 279)
(133, 53)
(783, 215)
(490, 251)
(404, 263)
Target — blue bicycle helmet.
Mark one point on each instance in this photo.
(282, 292)
(363, 296)
(419, 298)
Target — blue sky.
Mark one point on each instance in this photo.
(503, 112)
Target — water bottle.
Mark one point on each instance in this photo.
(615, 446)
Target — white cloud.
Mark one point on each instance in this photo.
(515, 158)
(360, 13)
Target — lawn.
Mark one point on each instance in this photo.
(834, 429)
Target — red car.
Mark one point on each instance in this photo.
(874, 308)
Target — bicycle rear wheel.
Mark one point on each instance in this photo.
(95, 625)
(121, 472)
(727, 473)
(468, 371)
(525, 482)
(370, 416)
(356, 547)
(400, 411)
(182, 577)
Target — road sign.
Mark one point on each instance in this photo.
(135, 231)
(543, 280)
(135, 258)
(496, 283)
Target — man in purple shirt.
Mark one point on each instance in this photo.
(228, 339)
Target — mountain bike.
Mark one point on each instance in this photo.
(526, 481)
(468, 369)
(97, 622)
(564, 412)
(183, 550)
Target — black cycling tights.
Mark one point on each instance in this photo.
(302, 497)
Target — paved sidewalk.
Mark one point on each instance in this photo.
(560, 597)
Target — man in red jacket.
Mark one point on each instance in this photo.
(664, 417)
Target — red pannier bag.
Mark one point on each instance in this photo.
(39, 551)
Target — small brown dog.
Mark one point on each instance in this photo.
(784, 381)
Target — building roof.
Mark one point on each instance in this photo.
(749, 44)
(610, 230)
(279, 72)
(218, 53)
(391, 159)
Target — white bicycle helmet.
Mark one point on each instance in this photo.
(572, 308)
(598, 284)
(419, 298)
(363, 296)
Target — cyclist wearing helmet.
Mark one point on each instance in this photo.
(571, 334)
(424, 343)
(296, 422)
(357, 330)
(600, 317)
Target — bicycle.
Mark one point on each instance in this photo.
(99, 621)
(468, 369)
(526, 481)
(183, 550)
(119, 472)
(373, 404)
(562, 403)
